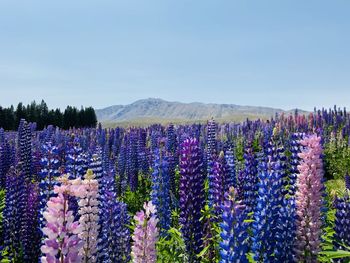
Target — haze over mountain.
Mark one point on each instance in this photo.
(158, 110)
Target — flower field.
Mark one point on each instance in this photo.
(256, 191)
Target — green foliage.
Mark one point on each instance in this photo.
(5, 256)
(171, 248)
(135, 200)
(337, 157)
(2, 205)
(335, 254)
(211, 240)
(239, 149)
(328, 253)
(335, 188)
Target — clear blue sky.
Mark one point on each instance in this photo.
(283, 54)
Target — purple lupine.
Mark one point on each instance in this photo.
(217, 184)
(191, 196)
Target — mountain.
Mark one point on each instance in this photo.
(158, 110)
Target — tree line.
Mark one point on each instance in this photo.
(43, 116)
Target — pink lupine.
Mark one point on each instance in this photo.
(145, 235)
(309, 200)
(62, 243)
(88, 210)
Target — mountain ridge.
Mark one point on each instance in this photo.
(155, 108)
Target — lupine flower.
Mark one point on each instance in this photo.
(89, 218)
(114, 236)
(15, 220)
(250, 178)
(30, 234)
(295, 149)
(145, 235)
(132, 168)
(25, 149)
(121, 170)
(62, 243)
(160, 194)
(342, 224)
(212, 142)
(48, 177)
(230, 161)
(347, 181)
(234, 245)
(191, 196)
(309, 199)
(217, 184)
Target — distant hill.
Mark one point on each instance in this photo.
(157, 110)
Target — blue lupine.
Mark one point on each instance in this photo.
(273, 227)
(96, 165)
(250, 178)
(25, 149)
(295, 149)
(142, 153)
(122, 180)
(132, 168)
(160, 194)
(191, 196)
(234, 245)
(230, 161)
(171, 143)
(15, 220)
(49, 172)
(347, 181)
(212, 143)
(114, 237)
(342, 224)
(76, 160)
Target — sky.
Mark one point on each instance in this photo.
(285, 54)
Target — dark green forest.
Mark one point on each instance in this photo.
(43, 116)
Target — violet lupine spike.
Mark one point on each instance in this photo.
(31, 237)
(62, 243)
(191, 196)
(217, 184)
(145, 235)
(309, 200)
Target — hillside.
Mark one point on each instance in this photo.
(150, 110)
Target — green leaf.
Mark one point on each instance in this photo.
(336, 254)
